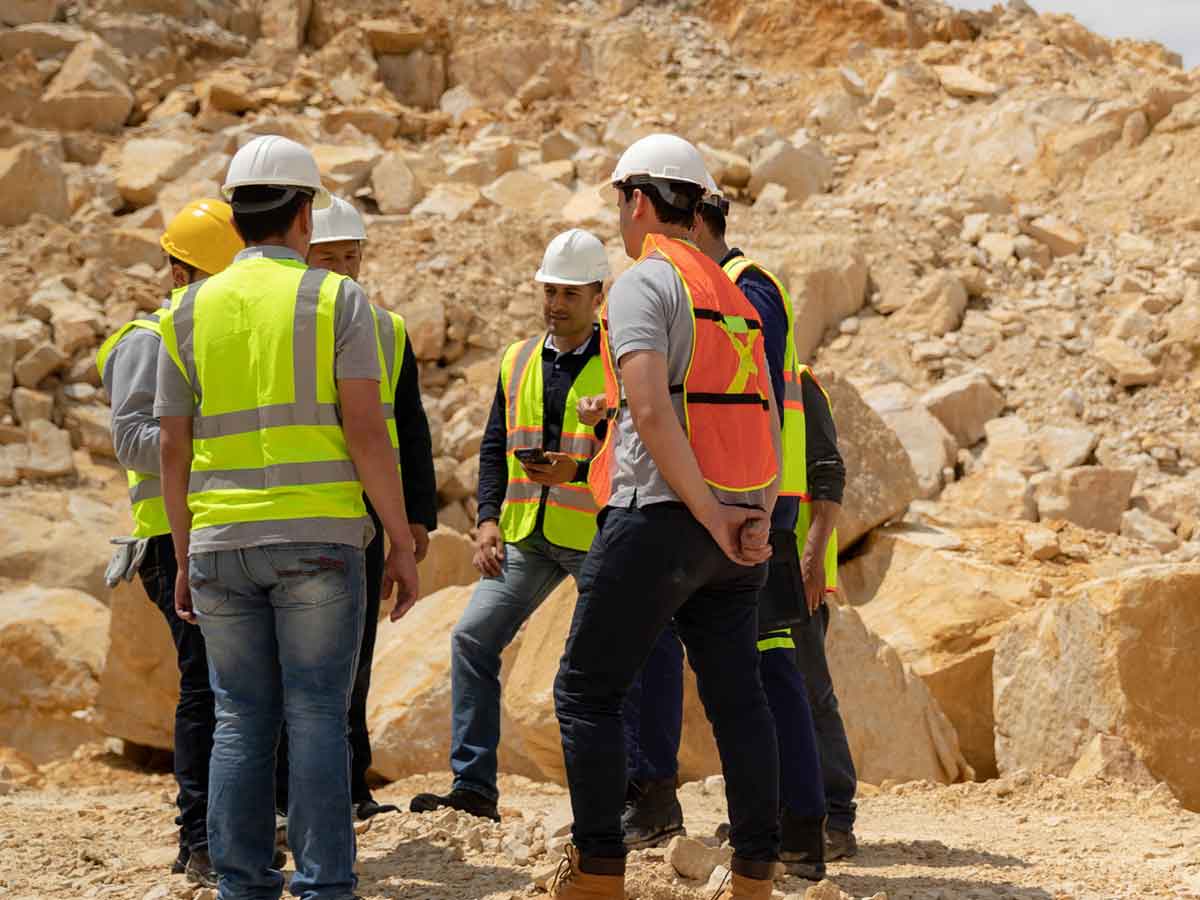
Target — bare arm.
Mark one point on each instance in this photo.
(812, 559)
(644, 376)
(175, 464)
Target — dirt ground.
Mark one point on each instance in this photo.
(98, 826)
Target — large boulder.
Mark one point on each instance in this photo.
(942, 612)
(894, 725)
(880, 481)
(90, 91)
(58, 539)
(931, 448)
(149, 164)
(32, 182)
(1113, 657)
(964, 405)
(52, 646)
(827, 279)
(801, 170)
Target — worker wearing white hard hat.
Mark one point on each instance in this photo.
(536, 517)
(687, 477)
(339, 233)
(268, 399)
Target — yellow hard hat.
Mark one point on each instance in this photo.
(202, 235)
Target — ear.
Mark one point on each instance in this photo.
(305, 215)
(180, 277)
(642, 207)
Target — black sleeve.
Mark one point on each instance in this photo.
(826, 470)
(416, 446)
(493, 466)
(581, 473)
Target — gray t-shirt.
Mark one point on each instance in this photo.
(648, 309)
(356, 355)
(129, 377)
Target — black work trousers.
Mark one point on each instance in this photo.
(195, 716)
(646, 566)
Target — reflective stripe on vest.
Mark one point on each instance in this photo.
(570, 514)
(795, 436)
(256, 344)
(725, 390)
(145, 490)
(781, 639)
(391, 335)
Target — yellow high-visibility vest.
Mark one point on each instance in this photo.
(145, 489)
(570, 518)
(256, 344)
(391, 336)
(795, 455)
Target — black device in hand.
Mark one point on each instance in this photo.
(535, 456)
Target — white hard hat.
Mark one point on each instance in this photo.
(574, 257)
(275, 161)
(714, 198)
(662, 156)
(339, 221)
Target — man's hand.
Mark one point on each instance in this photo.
(726, 523)
(592, 410)
(400, 572)
(561, 469)
(755, 536)
(183, 596)
(489, 549)
(420, 539)
(812, 570)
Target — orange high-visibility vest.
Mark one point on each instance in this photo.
(725, 390)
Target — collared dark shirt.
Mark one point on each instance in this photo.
(416, 445)
(826, 470)
(559, 371)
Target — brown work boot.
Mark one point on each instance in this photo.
(589, 879)
(748, 881)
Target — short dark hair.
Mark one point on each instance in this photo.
(668, 214)
(714, 219)
(258, 226)
(187, 267)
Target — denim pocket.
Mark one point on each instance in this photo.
(207, 598)
(313, 574)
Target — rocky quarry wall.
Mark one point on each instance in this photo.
(978, 215)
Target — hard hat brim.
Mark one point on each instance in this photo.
(322, 199)
(334, 238)
(545, 278)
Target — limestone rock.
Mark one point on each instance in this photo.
(1074, 149)
(1061, 238)
(964, 405)
(284, 22)
(1064, 447)
(1123, 364)
(458, 102)
(450, 201)
(37, 526)
(523, 192)
(448, 562)
(827, 279)
(52, 647)
(1105, 660)
(29, 406)
(8, 358)
(395, 188)
(48, 454)
(425, 325)
(942, 612)
(937, 308)
(1109, 758)
(90, 92)
(229, 92)
(803, 171)
(999, 247)
(32, 182)
(377, 123)
(727, 168)
(880, 481)
(89, 427)
(415, 79)
(560, 144)
(1011, 442)
(147, 164)
(930, 447)
(1000, 490)
(37, 364)
(1040, 543)
(392, 36)
(1142, 526)
(344, 169)
(959, 82)
(22, 12)
(1089, 496)
(692, 859)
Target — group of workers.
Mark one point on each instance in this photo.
(664, 446)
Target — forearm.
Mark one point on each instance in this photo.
(375, 461)
(821, 526)
(777, 446)
(175, 467)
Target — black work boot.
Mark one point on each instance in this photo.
(840, 844)
(180, 865)
(200, 870)
(802, 846)
(461, 799)
(652, 814)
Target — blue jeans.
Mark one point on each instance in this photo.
(283, 625)
(532, 568)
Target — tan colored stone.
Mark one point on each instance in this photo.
(1141, 526)
(827, 279)
(1061, 238)
(8, 359)
(1106, 659)
(560, 144)
(395, 188)
(964, 405)
(52, 648)
(1123, 364)
(1088, 496)
(76, 326)
(999, 247)
(497, 153)
(692, 859)
(1011, 442)
(284, 22)
(415, 79)
(229, 92)
(147, 164)
(22, 12)
(392, 35)
(1064, 447)
(1074, 149)
(1040, 543)
(91, 425)
(379, 124)
(344, 169)
(90, 91)
(930, 447)
(32, 182)
(803, 171)
(48, 454)
(943, 613)
(459, 102)
(880, 482)
(129, 247)
(561, 172)
(1108, 758)
(448, 562)
(425, 325)
(29, 406)
(450, 201)
(521, 191)
(1000, 490)
(726, 167)
(937, 308)
(959, 82)
(44, 39)
(40, 362)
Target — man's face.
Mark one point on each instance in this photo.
(342, 257)
(570, 309)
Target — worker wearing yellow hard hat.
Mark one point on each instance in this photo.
(200, 241)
